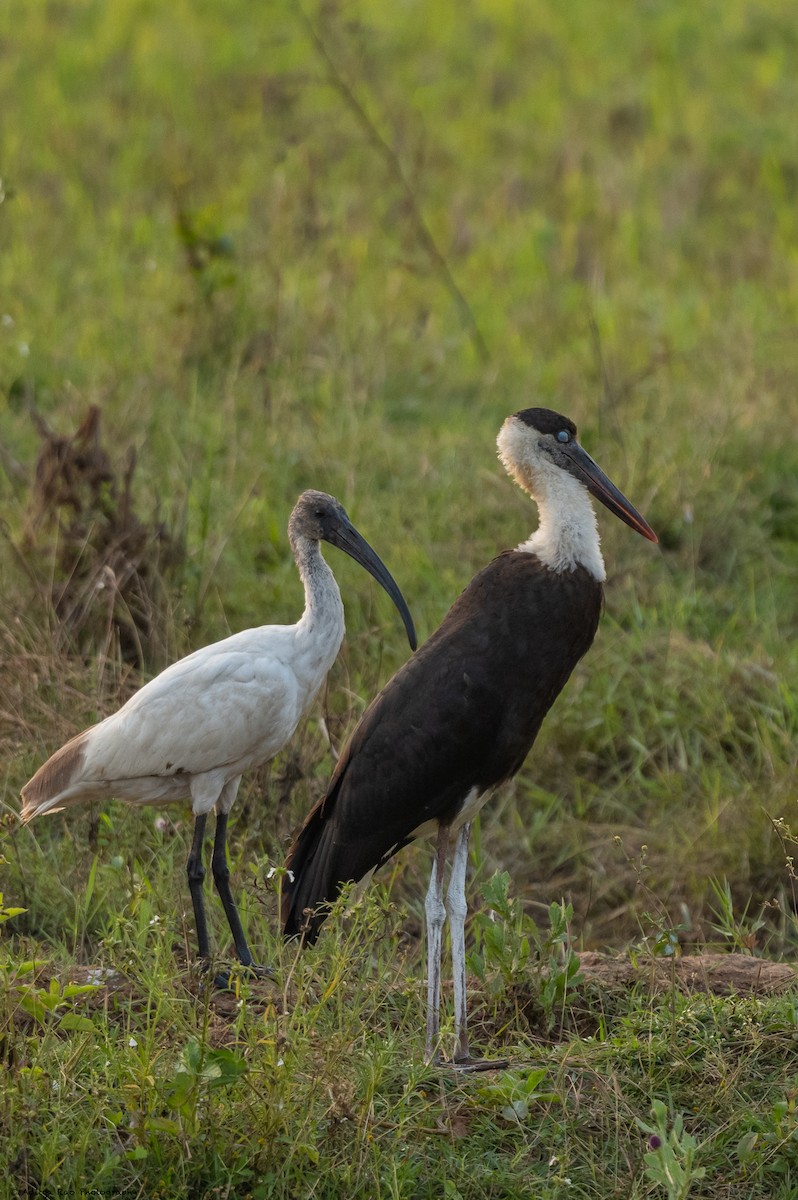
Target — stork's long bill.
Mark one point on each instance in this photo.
(347, 538)
(585, 468)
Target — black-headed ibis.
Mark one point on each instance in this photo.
(192, 731)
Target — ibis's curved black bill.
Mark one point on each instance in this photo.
(347, 538)
(594, 479)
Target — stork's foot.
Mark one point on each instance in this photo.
(466, 1064)
(471, 1065)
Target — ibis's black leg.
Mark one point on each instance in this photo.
(196, 874)
(221, 877)
(436, 915)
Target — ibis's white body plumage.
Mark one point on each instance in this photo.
(199, 725)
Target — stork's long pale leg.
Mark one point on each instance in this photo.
(196, 873)
(435, 913)
(457, 910)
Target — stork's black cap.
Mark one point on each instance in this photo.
(545, 420)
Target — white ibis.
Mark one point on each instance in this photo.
(191, 732)
(461, 715)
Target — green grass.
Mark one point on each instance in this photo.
(336, 251)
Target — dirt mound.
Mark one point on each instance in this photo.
(718, 973)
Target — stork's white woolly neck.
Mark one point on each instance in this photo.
(567, 535)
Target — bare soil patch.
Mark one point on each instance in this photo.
(722, 974)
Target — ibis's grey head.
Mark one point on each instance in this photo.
(318, 517)
(539, 448)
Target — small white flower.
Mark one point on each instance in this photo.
(154, 920)
(7, 320)
(24, 349)
(132, 1043)
(280, 1062)
(270, 874)
(161, 824)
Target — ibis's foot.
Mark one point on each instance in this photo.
(255, 970)
(226, 981)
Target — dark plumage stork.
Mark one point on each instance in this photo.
(460, 716)
(191, 732)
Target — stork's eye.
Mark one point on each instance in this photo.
(563, 436)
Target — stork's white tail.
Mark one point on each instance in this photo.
(57, 782)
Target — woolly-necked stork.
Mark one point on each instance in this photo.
(191, 732)
(461, 715)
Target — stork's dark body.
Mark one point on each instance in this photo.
(460, 715)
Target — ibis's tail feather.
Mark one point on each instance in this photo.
(57, 782)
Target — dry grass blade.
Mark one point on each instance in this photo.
(100, 564)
